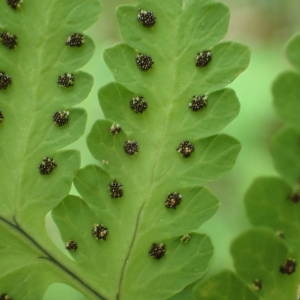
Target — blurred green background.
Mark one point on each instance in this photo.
(265, 26)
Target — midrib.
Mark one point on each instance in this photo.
(161, 141)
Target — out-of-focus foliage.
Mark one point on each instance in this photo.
(267, 256)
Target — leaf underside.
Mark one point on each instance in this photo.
(107, 269)
(29, 262)
(121, 266)
(272, 203)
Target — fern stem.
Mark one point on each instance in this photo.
(85, 287)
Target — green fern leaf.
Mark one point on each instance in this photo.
(224, 286)
(125, 198)
(38, 120)
(266, 256)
